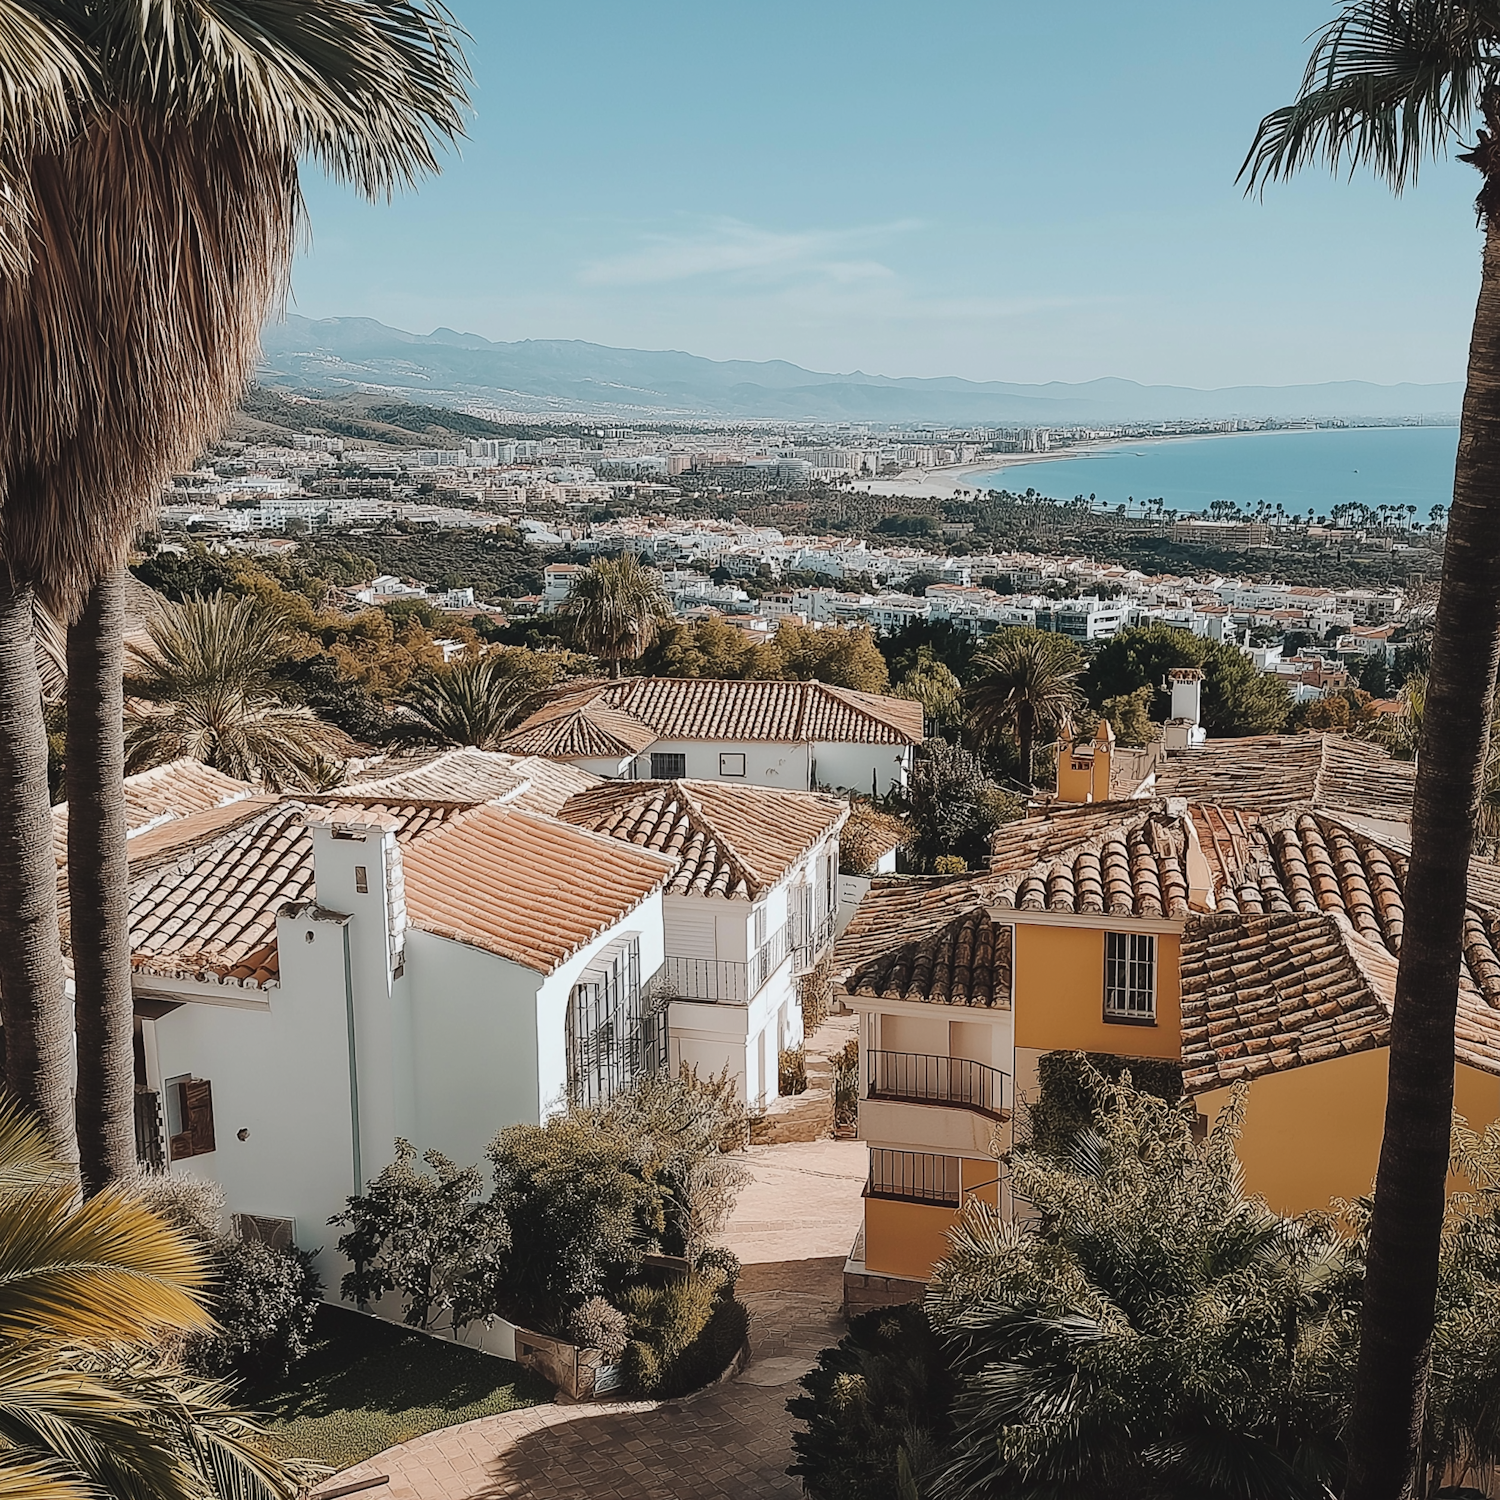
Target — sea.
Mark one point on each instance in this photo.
(1300, 471)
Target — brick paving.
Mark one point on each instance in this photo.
(792, 1228)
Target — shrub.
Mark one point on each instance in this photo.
(791, 1075)
(426, 1236)
(949, 864)
(599, 1325)
(883, 1391)
(725, 1262)
(264, 1308)
(815, 992)
(846, 1083)
(1067, 1098)
(191, 1205)
(683, 1335)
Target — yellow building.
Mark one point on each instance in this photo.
(1250, 939)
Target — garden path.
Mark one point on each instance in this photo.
(792, 1229)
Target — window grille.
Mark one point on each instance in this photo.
(615, 1038)
(1130, 976)
(667, 767)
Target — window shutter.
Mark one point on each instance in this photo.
(197, 1103)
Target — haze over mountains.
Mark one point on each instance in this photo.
(338, 356)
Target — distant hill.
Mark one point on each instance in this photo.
(341, 356)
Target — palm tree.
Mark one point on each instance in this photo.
(615, 607)
(205, 689)
(1024, 680)
(1388, 82)
(476, 701)
(147, 231)
(87, 1408)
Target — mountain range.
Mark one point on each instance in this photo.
(339, 356)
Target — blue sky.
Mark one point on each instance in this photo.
(998, 189)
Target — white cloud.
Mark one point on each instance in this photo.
(733, 249)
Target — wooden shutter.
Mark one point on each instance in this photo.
(196, 1103)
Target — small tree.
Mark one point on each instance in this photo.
(1129, 715)
(954, 805)
(427, 1236)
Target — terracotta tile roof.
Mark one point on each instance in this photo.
(965, 962)
(1271, 773)
(681, 708)
(205, 890)
(1264, 994)
(590, 730)
(470, 775)
(903, 909)
(731, 841)
(171, 791)
(531, 889)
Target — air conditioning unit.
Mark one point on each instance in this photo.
(279, 1234)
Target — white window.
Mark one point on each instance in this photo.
(732, 763)
(1130, 976)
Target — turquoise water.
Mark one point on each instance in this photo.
(1298, 470)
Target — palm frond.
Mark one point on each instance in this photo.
(1389, 83)
(473, 702)
(615, 608)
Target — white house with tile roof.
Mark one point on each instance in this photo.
(314, 979)
(797, 736)
(750, 908)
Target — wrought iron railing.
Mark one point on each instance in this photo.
(915, 1177)
(810, 939)
(916, 1077)
(723, 981)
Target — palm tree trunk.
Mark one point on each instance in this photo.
(1026, 734)
(34, 1005)
(97, 896)
(1396, 1322)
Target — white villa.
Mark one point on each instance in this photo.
(800, 736)
(749, 908)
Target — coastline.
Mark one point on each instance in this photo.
(945, 483)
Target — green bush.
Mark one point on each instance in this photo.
(1066, 1102)
(683, 1335)
(791, 1076)
(264, 1305)
(882, 1392)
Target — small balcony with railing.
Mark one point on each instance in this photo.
(811, 937)
(717, 981)
(950, 1082)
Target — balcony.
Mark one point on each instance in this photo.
(717, 981)
(810, 939)
(955, 1082)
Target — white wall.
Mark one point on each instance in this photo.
(767, 763)
(280, 1072)
(852, 767)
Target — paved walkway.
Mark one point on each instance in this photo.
(792, 1229)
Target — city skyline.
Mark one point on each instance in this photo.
(1014, 195)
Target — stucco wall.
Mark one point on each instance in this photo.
(906, 1239)
(1313, 1133)
(1059, 995)
(767, 762)
(851, 767)
(280, 1073)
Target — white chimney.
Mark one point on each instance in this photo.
(1187, 694)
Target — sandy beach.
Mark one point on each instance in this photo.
(946, 482)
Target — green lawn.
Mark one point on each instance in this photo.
(368, 1385)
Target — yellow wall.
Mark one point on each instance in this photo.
(1313, 1133)
(907, 1239)
(1059, 995)
(1084, 778)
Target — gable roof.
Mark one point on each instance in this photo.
(1265, 994)
(730, 841)
(173, 790)
(468, 774)
(691, 708)
(1271, 773)
(964, 962)
(530, 889)
(205, 890)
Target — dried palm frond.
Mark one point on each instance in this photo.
(162, 231)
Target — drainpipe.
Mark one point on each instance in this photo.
(359, 1176)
